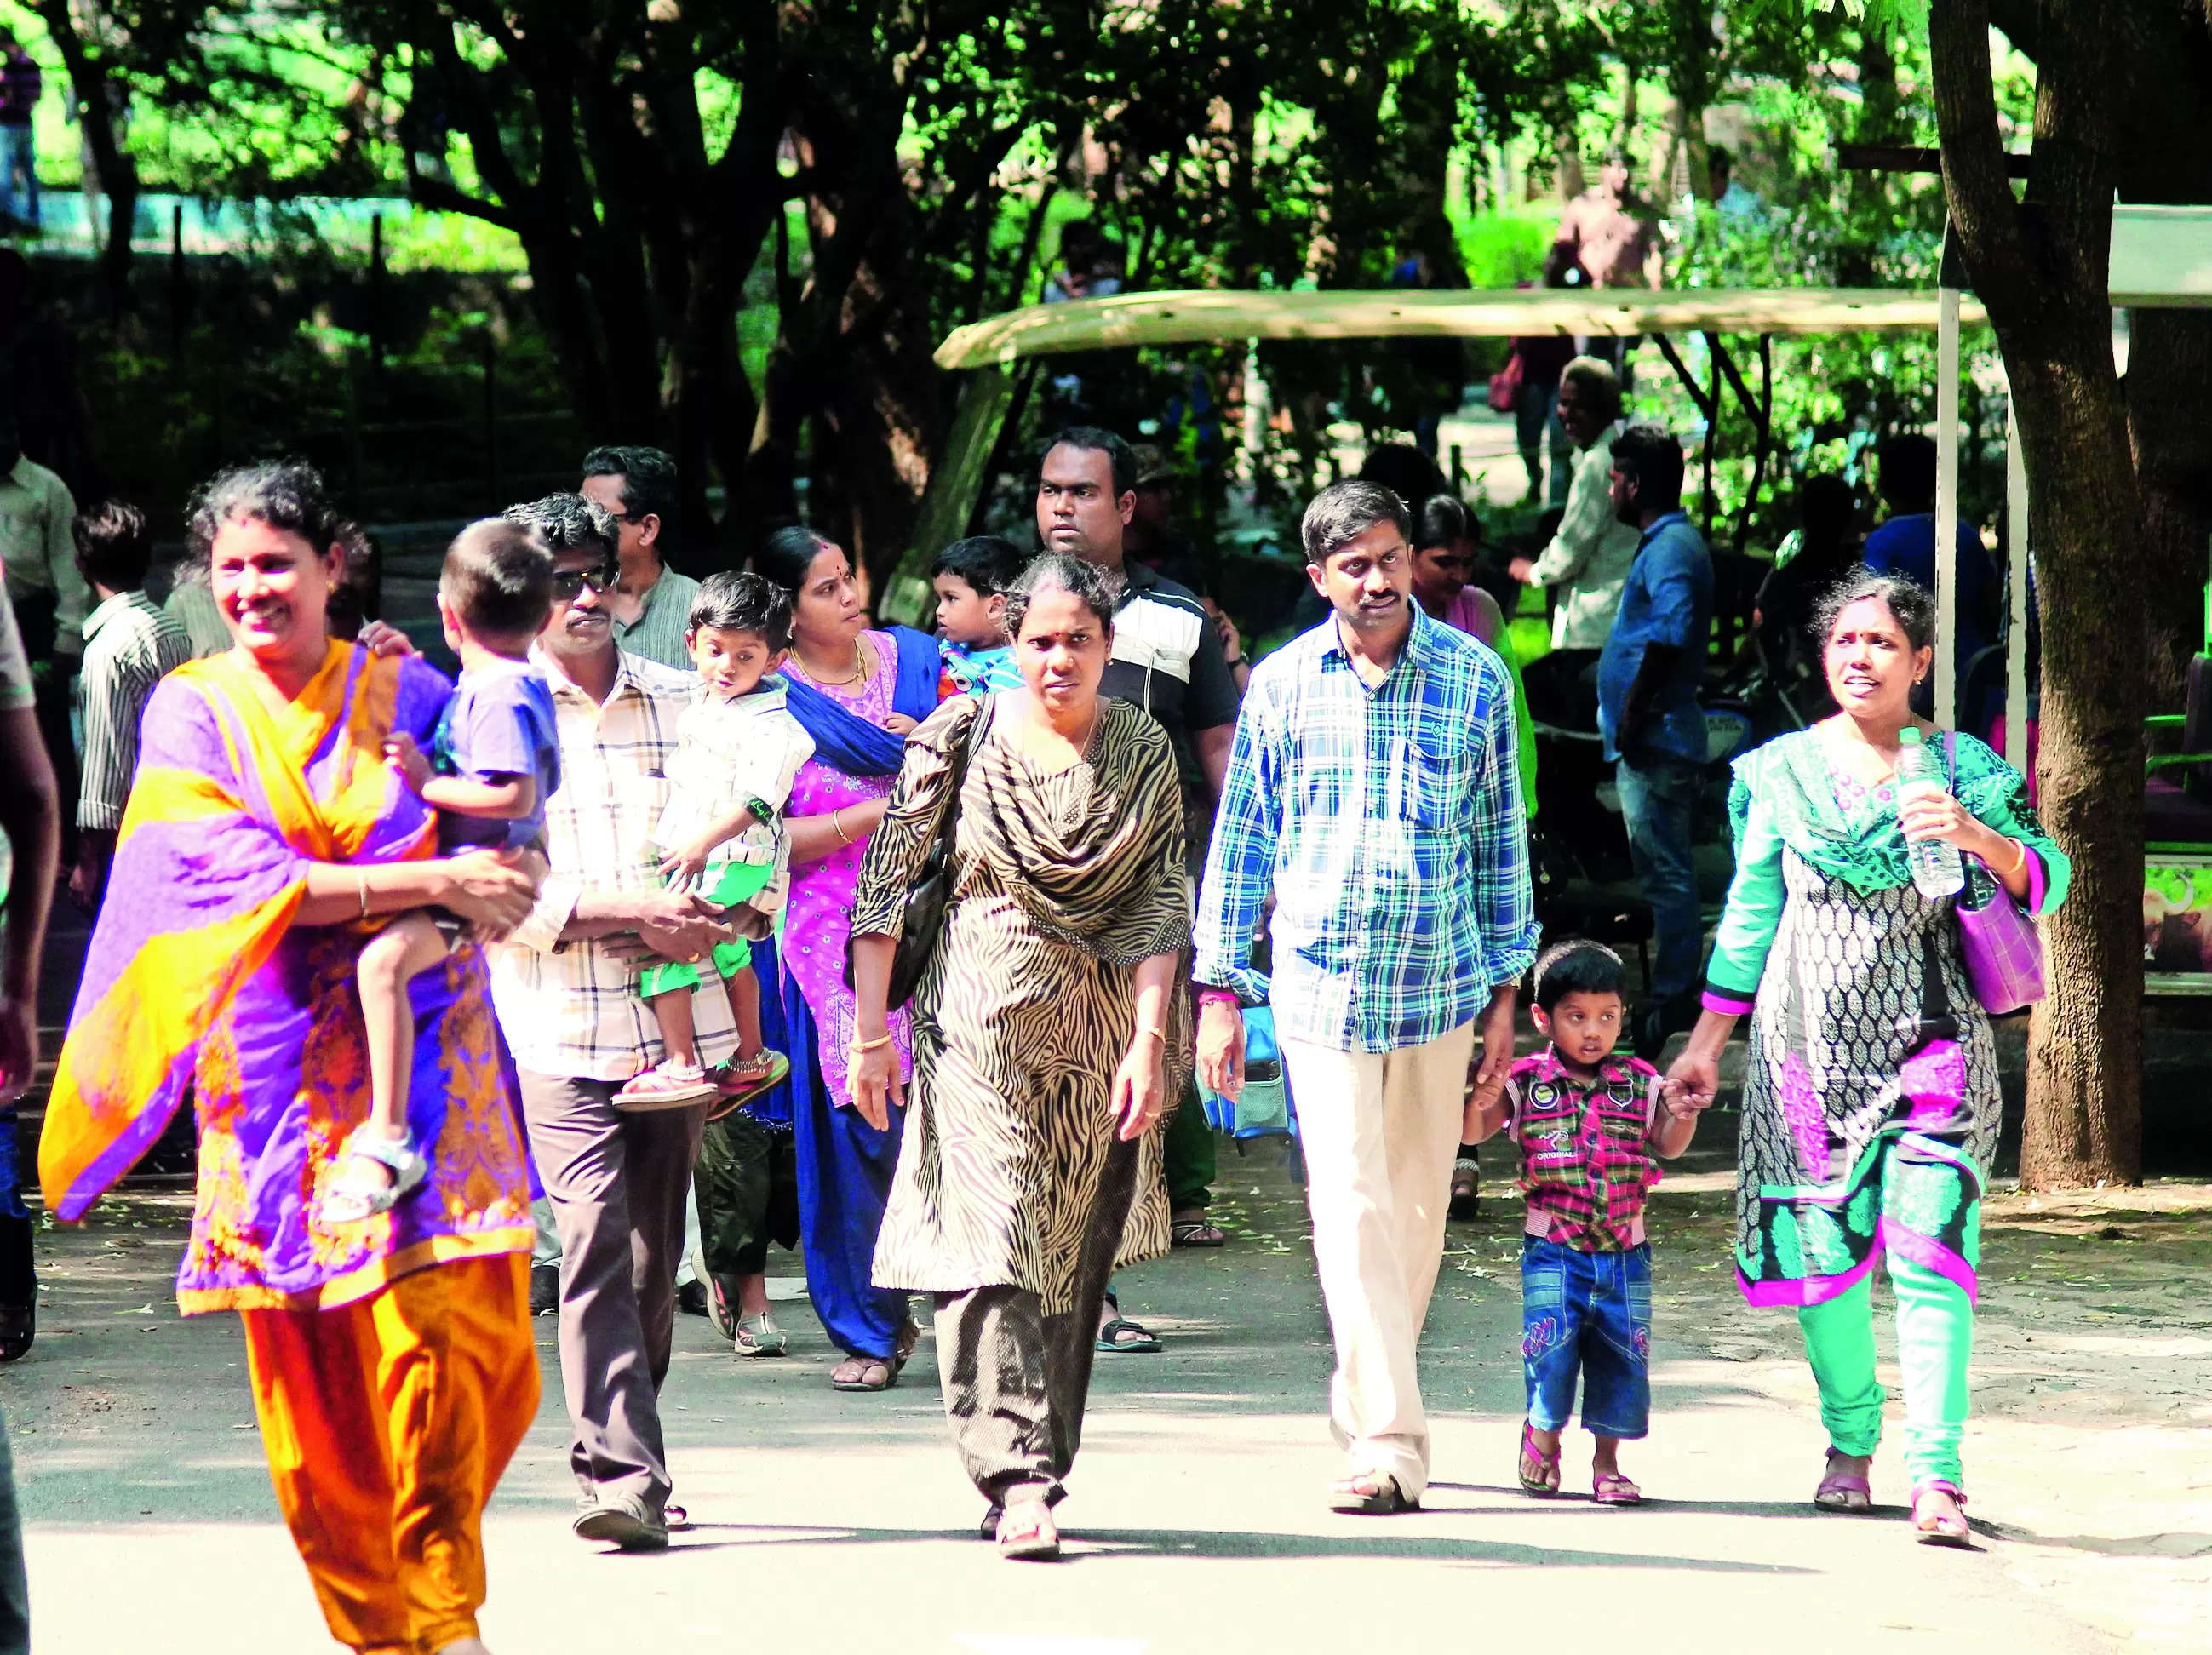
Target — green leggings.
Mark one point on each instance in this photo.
(1935, 1343)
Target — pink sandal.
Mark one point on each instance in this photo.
(664, 1086)
(1545, 1480)
(1842, 1491)
(1947, 1531)
(1614, 1489)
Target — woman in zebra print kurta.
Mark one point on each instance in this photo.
(1042, 1036)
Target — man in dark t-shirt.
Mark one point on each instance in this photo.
(1166, 659)
(1167, 656)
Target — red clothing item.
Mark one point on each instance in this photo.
(1544, 357)
(1586, 1160)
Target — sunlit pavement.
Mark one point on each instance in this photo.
(1196, 1521)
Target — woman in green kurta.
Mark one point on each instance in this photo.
(1870, 1105)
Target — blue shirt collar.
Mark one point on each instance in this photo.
(1677, 515)
(1420, 643)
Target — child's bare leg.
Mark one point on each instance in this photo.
(1606, 1462)
(752, 1295)
(742, 987)
(389, 961)
(672, 1011)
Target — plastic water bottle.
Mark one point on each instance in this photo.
(1937, 868)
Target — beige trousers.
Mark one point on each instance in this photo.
(1380, 1130)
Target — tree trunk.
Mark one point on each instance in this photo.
(2165, 115)
(118, 172)
(1570, 158)
(2169, 389)
(2084, 1122)
(1868, 192)
(857, 365)
(2165, 64)
(2041, 270)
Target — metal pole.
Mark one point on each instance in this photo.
(2016, 605)
(177, 280)
(1946, 505)
(491, 421)
(376, 290)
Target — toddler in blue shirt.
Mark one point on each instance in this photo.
(971, 577)
(494, 759)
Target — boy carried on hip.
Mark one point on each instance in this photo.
(494, 761)
(721, 835)
(970, 577)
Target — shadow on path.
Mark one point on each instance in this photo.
(1103, 1545)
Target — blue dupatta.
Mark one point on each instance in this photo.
(852, 745)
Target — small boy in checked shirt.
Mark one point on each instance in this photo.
(721, 835)
(1588, 1124)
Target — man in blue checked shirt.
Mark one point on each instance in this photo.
(1372, 792)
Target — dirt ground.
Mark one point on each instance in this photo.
(2087, 1459)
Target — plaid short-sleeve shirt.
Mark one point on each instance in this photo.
(1387, 824)
(572, 1009)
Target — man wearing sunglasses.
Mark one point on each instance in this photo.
(648, 601)
(566, 990)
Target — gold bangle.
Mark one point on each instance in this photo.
(859, 1046)
(1156, 1033)
(837, 820)
(2021, 866)
(360, 887)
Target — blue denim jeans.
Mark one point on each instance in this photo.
(19, 175)
(1587, 1313)
(1658, 799)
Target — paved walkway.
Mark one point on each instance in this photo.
(1196, 1521)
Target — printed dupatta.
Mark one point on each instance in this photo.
(1106, 877)
(210, 870)
(1789, 776)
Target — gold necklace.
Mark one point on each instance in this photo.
(859, 669)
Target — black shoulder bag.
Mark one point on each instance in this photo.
(930, 892)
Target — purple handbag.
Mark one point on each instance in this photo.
(2002, 951)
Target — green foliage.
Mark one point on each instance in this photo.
(1504, 249)
(611, 149)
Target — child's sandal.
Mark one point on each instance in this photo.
(1611, 1488)
(1538, 1471)
(351, 1199)
(664, 1086)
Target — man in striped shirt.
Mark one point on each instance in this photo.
(1167, 658)
(128, 644)
(1373, 793)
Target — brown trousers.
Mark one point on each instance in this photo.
(619, 1185)
(1016, 1378)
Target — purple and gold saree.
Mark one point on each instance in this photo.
(197, 977)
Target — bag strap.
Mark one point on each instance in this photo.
(984, 706)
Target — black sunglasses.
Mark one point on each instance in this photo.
(566, 583)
